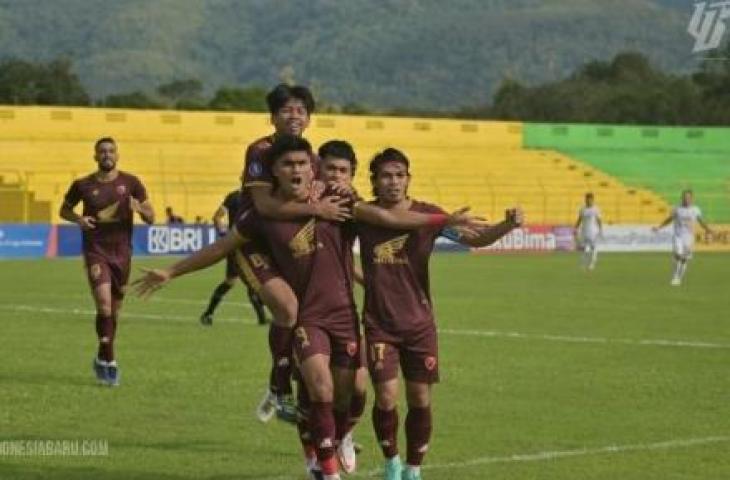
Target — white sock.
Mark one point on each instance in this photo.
(335, 476)
(594, 257)
(682, 269)
(677, 269)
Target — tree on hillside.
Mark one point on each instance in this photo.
(54, 83)
(249, 99)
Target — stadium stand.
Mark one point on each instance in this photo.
(665, 160)
(190, 160)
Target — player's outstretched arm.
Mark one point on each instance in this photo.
(705, 226)
(409, 220)
(328, 208)
(487, 236)
(154, 279)
(666, 222)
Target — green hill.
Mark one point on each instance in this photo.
(425, 54)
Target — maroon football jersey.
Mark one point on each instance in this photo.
(257, 169)
(109, 204)
(312, 257)
(395, 266)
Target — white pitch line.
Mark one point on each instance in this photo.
(551, 455)
(125, 314)
(598, 340)
(444, 331)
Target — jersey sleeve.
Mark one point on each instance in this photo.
(229, 203)
(698, 212)
(247, 225)
(73, 195)
(137, 190)
(256, 170)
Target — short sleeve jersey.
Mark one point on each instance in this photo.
(395, 265)
(684, 219)
(109, 204)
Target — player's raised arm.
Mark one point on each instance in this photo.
(154, 279)
(328, 208)
(487, 236)
(403, 219)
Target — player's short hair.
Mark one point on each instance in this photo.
(104, 140)
(387, 156)
(590, 195)
(339, 149)
(287, 143)
(686, 191)
(282, 93)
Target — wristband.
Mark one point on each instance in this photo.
(437, 220)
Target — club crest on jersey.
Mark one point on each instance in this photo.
(429, 363)
(303, 242)
(351, 348)
(95, 192)
(121, 189)
(388, 252)
(95, 271)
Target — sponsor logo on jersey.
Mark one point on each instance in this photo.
(388, 252)
(121, 189)
(108, 214)
(303, 242)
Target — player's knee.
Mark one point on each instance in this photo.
(418, 396)
(321, 390)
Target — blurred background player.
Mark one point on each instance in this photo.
(683, 217)
(229, 207)
(171, 218)
(110, 198)
(400, 328)
(588, 228)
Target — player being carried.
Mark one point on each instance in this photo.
(110, 198)
(229, 208)
(314, 260)
(683, 217)
(400, 328)
(588, 228)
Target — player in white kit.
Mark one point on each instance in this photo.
(683, 217)
(588, 228)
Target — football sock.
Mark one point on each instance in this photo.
(357, 407)
(418, 434)
(385, 423)
(280, 346)
(105, 329)
(322, 428)
(217, 296)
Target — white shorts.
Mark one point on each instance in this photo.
(682, 245)
(588, 240)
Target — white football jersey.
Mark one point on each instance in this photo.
(684, 219)
(589, 220)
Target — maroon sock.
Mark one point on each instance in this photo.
(322, 427)
(303, 412)
(280, 346)
(357, 407)
(105, 327)
(342, 423)
(385, 423)
(418, 434)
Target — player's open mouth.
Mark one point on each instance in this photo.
(296, 181)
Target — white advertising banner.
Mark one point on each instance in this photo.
(635, 238)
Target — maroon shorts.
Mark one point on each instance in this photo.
(101, 269)
(255, 266)
(342, 347)
(416, 353)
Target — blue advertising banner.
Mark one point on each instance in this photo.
(19, 241)
(147, 239)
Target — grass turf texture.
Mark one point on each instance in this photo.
(577, 377)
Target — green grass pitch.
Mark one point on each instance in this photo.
(548, 372)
